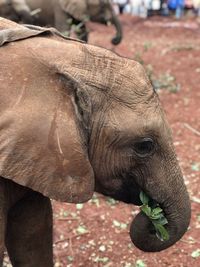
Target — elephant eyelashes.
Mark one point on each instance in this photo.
(144, 147)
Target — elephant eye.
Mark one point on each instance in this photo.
(144, 147)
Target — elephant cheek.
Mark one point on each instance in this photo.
(107, 186)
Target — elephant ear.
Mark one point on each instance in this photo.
(76, 8)
(43, 139)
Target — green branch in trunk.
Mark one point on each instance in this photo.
(156, 215)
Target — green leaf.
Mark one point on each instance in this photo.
(103, 259)
(81, 230)
(111, 201)
(146, 209)
(123, 225)
(195, 166)
(140, 263)
(144, 198)
(155, 215)
(119, 224)
(65, 213)
(70, 258)
(156, 211)
(116, 223)
(159, 218)
(79, 206)
(196, 253)
(161, 232)
(162, 220)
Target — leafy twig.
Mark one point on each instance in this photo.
(156, 216)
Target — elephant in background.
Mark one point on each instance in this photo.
(100, 11)
(64, 14)
(74, 119)
(16, 10)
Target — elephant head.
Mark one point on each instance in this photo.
(7, 11)
(100, 11)
(132, 151)
(17, 10)
(130, 143)
(90, 122)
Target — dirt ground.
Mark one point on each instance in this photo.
(97, 233)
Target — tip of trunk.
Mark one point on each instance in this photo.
(116, 40)
(143, 234)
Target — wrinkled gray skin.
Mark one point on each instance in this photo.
(52, 14)
(114, 112)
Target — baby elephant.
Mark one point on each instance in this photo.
(65, 15)
(74, 119)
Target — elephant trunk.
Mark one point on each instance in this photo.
(118, 37)
(176, 207)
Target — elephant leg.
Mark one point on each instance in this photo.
(62, 20)
(81, 31)
(3, 215)
(29, 232)
(2, 236)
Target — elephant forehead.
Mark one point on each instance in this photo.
(127, 122)
(117, 73)
(96, 67)
(119, 77)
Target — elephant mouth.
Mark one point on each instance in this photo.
(129, 192)
(155, 234)
(143, 232)
(129, 195)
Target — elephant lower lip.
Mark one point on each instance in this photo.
(137, 202)
(129, 193)
(122, 196)
(129, 198)
(132, 193)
